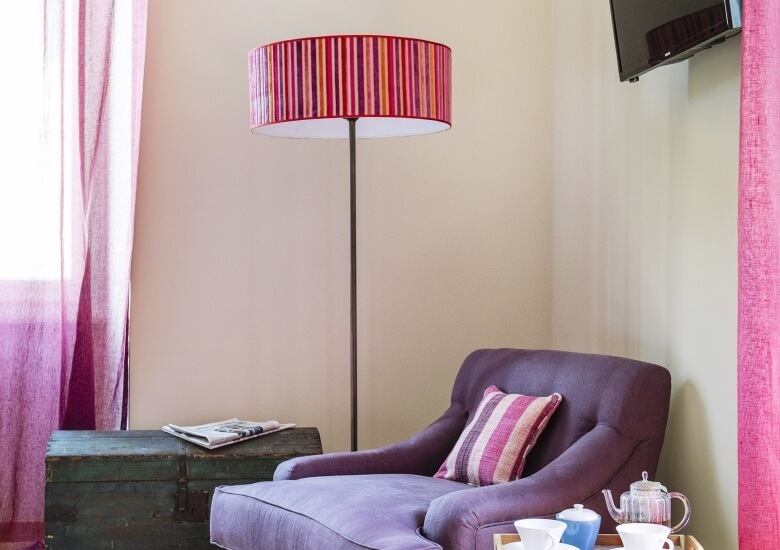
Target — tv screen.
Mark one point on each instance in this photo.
(651, 33)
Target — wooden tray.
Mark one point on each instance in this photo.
(604, 542)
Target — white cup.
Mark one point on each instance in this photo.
(644, 536)
(540, 534)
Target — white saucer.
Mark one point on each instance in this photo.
(519, 546)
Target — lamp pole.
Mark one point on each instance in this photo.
(353, 281)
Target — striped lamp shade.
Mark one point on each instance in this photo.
(306, 87)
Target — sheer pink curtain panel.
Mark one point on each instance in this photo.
(758, 339)
(68, 208)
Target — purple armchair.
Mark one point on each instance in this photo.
(608, 429)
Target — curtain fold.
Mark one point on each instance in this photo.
(63, 331)
(758, 338)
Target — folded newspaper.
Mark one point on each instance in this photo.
(225, 432)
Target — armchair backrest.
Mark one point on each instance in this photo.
(630, 396)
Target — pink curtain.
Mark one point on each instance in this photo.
(63, 329)
(758, 341)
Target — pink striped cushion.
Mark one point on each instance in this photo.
(493, 447)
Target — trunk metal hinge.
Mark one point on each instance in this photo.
(189, 506)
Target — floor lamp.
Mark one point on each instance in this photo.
(352, 86)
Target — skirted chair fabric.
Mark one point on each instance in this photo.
(608, 428)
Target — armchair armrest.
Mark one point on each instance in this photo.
(420, 454)
(453, 520)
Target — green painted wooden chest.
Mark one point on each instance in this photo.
(149, 490)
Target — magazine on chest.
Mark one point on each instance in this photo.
(225, 432)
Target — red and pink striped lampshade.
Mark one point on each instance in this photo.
(306, 87)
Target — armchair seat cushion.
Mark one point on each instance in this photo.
(379, 511)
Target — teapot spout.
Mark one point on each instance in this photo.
(616, 513)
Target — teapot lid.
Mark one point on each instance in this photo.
(646, 485)
(578, 513)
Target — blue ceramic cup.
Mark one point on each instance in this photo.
(582, 527)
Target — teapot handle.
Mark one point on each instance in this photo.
(687, 515)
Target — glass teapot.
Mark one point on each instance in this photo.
(647, 502)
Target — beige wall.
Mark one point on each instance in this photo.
(240, 301)
(564, 209)
(644, 209)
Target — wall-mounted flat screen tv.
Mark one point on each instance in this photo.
(652, 33)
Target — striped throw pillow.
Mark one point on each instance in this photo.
(493, 447)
